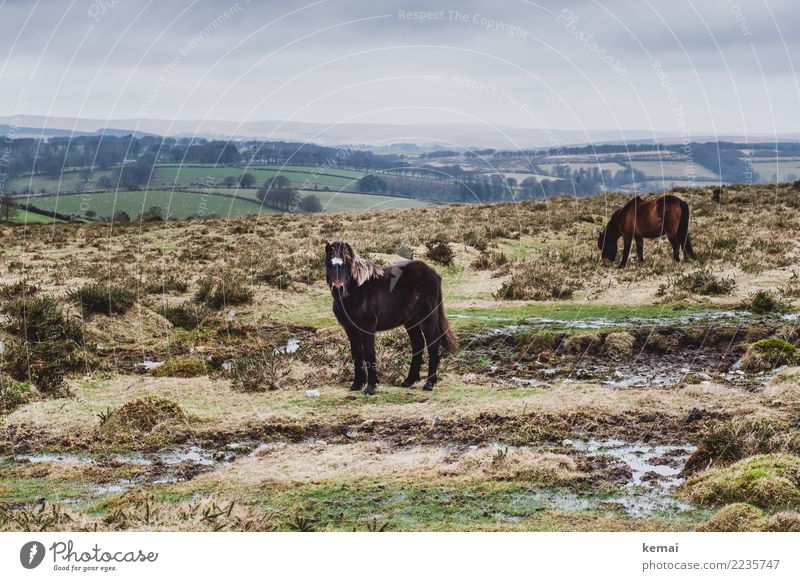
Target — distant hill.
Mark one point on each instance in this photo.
(371, 134)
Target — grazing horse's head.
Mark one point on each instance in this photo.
(344, 268)
(607, 243)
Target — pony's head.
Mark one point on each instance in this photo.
(344, 268)
(607, 242)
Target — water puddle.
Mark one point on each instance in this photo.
(655, 473)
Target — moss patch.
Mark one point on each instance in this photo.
(767, 354)
(734, 518)
(767, 481)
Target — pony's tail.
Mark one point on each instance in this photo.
(683, 231)
(447, 338)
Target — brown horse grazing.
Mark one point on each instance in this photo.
(651, 218)
(368, 298)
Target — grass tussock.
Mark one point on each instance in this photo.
(727, 441)
(768, 354)
(770, 481)
(141, 417)
(182, 367)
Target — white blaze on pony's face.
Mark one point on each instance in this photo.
(337, 267)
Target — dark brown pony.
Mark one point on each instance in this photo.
(650, 218)
(368, 298)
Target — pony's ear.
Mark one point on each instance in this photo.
(328, 248)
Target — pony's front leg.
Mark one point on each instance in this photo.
(626, 250)
(368, 341)
(357, 352)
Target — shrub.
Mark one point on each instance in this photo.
(274, 274)
(13, 394)
(40, 319)
(538, 282)
(768, 354)
(704, 282)
(48, 345)
(168, 284)
(102, 298)
(17, 290)
(262, 372)
(186, 315)
(489, 260)
(769, 481)
(439, 251)
(218, 292)
(764, 301)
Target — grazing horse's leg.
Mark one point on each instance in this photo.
(357, 351)
(676, 248)
(640, 248)
(417, 346)
(368, 340)
(429, 331)
(626, 249)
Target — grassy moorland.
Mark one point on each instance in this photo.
(189, 375)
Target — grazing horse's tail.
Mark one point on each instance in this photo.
(683, 231)
(447, 338)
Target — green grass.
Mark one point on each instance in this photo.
(25, 217)
(30, 490)
(349, 202)
(566, 312)
(438, 506)
(69, 181)
(187, 175)
(179, 204)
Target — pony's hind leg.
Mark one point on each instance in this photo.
(417, 346)
(688, 251)
(639, 248)
(429, 330)
(676, 249)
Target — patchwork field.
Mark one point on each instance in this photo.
(190, 375)
(176, 205)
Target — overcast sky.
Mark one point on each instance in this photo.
(699, 66)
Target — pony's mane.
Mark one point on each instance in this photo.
(361, 269)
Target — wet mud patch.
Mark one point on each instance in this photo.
(654, 357)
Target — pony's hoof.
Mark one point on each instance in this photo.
(428, 386)
(370, 390)
(409, 382)
(356, 387)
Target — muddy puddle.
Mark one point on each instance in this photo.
(638, 357)
(631, 478)
(164, 467)
(647, 477)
